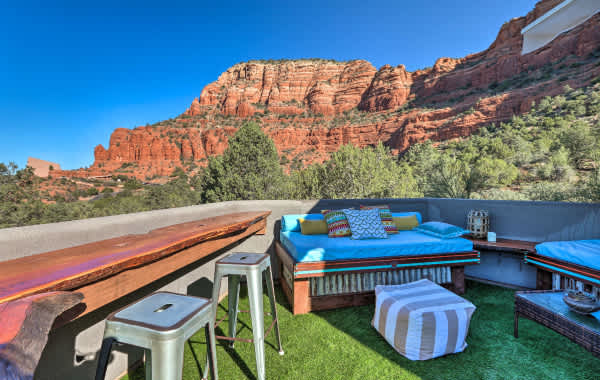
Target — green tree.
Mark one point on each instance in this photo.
(352, 172)
(92, 191)
(448, 178)
(591, 189)
(454, 178)
(175, 193)
(132, 184)
(421, 158)
(248, 169)
(578, 139)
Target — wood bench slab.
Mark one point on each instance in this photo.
(104, 266)
(504, 245)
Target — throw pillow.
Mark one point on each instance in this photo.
(405, 223)
(441, 230)
(386, 217)
(312, 227)
(337, 223)
(365, 224)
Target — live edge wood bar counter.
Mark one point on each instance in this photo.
(107, 270)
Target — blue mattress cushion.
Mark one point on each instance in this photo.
(581, 252)
(309, 248)
(441, 230)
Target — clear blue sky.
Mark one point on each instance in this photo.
(73, 71)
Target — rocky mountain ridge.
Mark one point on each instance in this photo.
(311, 107)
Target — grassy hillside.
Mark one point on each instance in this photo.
(550, 153)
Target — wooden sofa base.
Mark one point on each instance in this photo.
(297, 285)
(302, 303)
(548, 266)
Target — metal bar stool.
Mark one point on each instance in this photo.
(161, 323)
(253, 266)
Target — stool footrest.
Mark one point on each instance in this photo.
(218, 322)
(221, 337)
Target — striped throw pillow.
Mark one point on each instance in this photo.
(386, 217)
(337, 223)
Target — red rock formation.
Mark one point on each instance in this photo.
(327, 87)
(389, 89)
(311, 107)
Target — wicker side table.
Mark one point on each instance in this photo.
(547, 308)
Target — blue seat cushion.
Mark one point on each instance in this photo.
(309, 248)
(581, 252)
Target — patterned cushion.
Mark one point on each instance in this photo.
(386, 217)
(441, 230)
(365, 224)
(337, 223)
(406, 223)
(312, 227)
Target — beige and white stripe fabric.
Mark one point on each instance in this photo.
(421, 319)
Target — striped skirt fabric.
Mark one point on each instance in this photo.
(333, 284)
(421, 319)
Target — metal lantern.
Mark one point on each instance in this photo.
(478, 222)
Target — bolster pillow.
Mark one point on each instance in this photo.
(408, 213)
(290, 222)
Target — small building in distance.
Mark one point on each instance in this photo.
(41, 168)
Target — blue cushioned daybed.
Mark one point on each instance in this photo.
(311, 248)
(576, 259)
(324, 273)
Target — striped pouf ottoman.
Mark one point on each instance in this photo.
(421, 319)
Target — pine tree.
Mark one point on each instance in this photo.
(248, 169)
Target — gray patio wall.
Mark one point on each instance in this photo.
(71, 350)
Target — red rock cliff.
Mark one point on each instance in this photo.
(311, 107)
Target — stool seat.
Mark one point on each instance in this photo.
(241, 263)
(161, 323)
(162, 311)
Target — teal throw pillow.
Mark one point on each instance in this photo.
(440, 230)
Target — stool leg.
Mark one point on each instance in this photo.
(215, 293)
(211, 352)
(255, 296)
(148, 364)
(233, 285)
(271, 293)
(103, 357)
(167, 359)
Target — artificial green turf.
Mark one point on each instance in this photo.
(342, 344)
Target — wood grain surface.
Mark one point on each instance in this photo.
(100, 293)
(505, 245)
(75, 267)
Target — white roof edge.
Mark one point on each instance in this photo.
(546, 15)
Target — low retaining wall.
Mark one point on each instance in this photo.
(72, 349)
